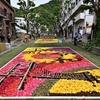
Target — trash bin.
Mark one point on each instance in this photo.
(2, 47)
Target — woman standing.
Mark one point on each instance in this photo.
(8, 37)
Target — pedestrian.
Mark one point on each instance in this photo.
(55, 35)
(39, 35)
(75, 38)
(34, 36)
(79, 36)
(2, 38)
(8, 37)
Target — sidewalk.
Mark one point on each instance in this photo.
(80, 45)
(14, 44)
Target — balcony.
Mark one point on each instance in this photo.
(79, 17)
(13, 20)
(1, 13)
(8, 17)
(77, 7)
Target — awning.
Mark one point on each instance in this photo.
(89, 26)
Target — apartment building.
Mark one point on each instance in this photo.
(79, 19)
(7, 22)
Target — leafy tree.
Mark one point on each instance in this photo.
(27, 8)
(44, 10)
(94, 6)
(43, 28)
(37, 23)
(57, 16)
(68, 7)
(51, 28)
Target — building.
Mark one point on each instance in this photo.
(79, 19)
(20, 21)
(7, 22)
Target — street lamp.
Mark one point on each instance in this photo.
(73, 27)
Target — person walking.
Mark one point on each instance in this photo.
(55, 35)
(8, 37)
(75, 39)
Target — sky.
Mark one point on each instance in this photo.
(37, 2)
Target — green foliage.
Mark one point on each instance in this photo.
(23, 27)
(26, 8)
(51, 29)
(88, 46)
(43, 28)
(33, 32)
(44, 10)
(94, 42)
(18, 12)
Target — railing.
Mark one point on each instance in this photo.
(77, 6)
(79, 16)
(7, 15)
(13, 19)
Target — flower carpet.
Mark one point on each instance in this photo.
(49, 71)
(46, 41)
(47, 37)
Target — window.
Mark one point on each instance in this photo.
(8, 1)
(11, 16)
(21, 24)
(5, 12)
(0, 24)
(90, 12)
(76, 2)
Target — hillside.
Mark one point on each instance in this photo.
(18, 12)
(45, 11)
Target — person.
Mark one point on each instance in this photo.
(34, 36)
(79, 37)
(8, 37)
(39, 35)
(2, 38)
(55, 35)
(75, 38)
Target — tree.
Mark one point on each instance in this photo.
(66, 17)
(27, 8)
(51, 28)
(94, 6)
(37, 23)
(56, 16)
(43, 28)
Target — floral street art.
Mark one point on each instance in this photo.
(46, 41)
(47, 37)
(49, 71)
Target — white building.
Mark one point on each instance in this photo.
(81, 18)
(20, 21)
